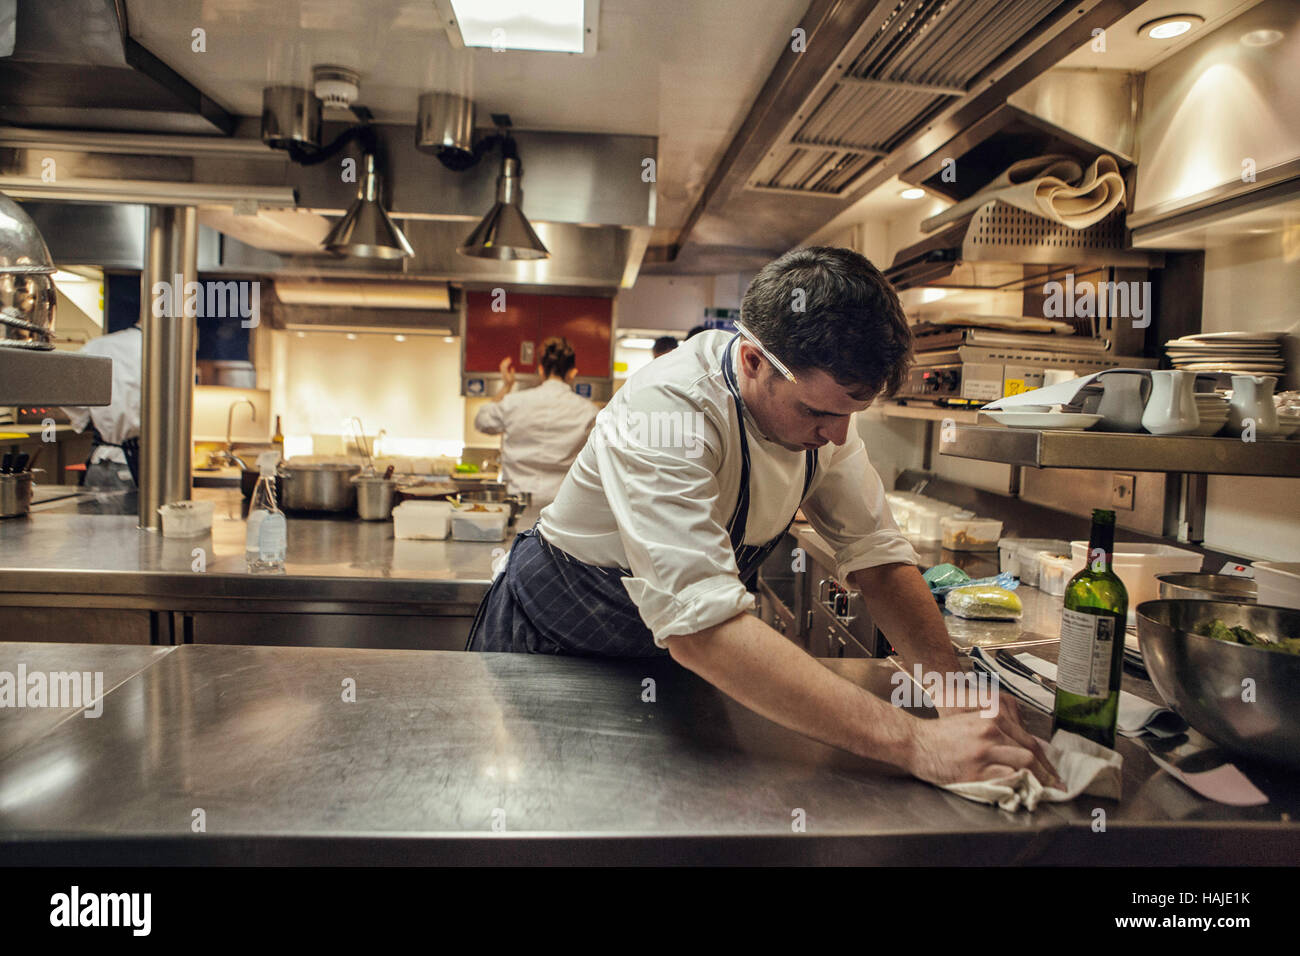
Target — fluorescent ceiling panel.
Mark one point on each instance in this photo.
(552, 26)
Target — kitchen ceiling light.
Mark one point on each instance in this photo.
(366, 231)
(1166, 28)
(548, 26)
(504, 232)
(1265, 37)
(913, 193)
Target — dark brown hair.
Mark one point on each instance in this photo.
(831, 309)
(557, 357)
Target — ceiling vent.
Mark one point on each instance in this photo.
(893, 76)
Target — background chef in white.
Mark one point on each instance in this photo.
(650, 538)
(117, 422)
(544, 427)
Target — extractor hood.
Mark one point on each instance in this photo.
(1002, 247)
(1075, 113)
(75, 65)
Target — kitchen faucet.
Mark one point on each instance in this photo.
(227, 455)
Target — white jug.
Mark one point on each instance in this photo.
(1171, 408)
(1252, 398)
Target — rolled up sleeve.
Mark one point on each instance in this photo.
(847, 507)
(664, 496)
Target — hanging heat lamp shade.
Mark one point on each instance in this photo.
(505, 232)
(366, 231)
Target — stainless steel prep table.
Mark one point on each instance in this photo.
(351, 569)
(564, 753)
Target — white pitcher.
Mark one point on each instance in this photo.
(1252, 398)
(1171, 408)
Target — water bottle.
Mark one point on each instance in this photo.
(267, 534)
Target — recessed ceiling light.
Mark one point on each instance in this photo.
(548, 26)
(449, 339)
(399, 338)
(1265, 37)
(635, 342)
(352, 336)
(302, 335)
(1166, 28)
(913, 193)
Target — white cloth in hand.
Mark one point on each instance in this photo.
(1083, 766)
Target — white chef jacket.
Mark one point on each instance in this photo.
(120, 420)
(654, 488)
(545, 427)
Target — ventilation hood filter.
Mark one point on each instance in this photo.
(1004, 247)
(367, 232)
(504, 232)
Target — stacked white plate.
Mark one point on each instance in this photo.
(1213, 410)
(1245, 353)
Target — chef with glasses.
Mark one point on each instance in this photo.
(690, 479)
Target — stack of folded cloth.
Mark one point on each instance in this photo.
(1053, 186)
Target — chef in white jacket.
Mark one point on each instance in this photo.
(544, 428)
(116, 426)
(690, 481)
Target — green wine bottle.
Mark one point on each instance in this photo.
(1092, 641)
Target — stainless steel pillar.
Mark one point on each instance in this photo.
(167, 370)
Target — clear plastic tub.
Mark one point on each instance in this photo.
(1054, 573)
(186, 519)
(485, 525)
(1138, 564)
(970, 534)
(1278, 583)
(1021, 556)
(421, 520)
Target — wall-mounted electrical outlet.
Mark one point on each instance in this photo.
(1121, 491)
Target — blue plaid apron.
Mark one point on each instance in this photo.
(548, 602)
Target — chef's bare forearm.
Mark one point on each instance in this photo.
(901, 605)
(751, 663)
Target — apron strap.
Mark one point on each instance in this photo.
(740, 515)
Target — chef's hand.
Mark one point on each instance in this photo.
(507, 373)
(969, 746)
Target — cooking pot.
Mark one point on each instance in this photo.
(317, 487)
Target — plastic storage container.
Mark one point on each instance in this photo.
(1137, 566)
(970, 534)
(186, 519)
(1054, 573)
(1278, 583)
(1021, 556)
(416, 520)
(486, 525)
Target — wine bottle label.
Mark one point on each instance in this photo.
(1087, 641)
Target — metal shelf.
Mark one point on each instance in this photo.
(1128, 452)
(54, 378)
(931, 413)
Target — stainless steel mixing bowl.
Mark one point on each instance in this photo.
(1246, 699)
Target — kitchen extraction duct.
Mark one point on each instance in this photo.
(505, 232)
(366, 231)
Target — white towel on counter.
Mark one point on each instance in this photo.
(1082, 765)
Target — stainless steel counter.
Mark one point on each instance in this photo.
(62, 552)
(1040, 622)
(449, 757)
